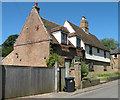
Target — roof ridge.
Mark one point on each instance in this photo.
(50, 21)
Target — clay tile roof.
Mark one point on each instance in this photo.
(116, 51)
(88, 38)
(53, 26)
(73, 34)
(59, 28)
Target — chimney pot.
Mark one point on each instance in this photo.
(36, 7)
(36, 4)
(83, 18)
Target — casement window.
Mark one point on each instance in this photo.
(63, 38)
(78, 42)
(90, 50)
(104, 54)
(98, 50)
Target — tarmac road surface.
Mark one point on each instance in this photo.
(110, 91)
(107, 90)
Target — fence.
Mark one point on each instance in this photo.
(60, 79)
(22, 80)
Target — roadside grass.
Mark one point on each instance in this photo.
(103, 76)
(102, 79)
(108, 75)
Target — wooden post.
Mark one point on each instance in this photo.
(66, 69)
(56, 66)
(59, 79)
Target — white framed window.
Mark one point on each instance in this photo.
(78, 42)
(98, 50)
(63, 38)
(90, 50)
(104, 54)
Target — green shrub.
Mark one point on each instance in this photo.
(72, 63)
(52, 59)
(84, 70)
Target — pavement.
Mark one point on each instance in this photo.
(69, 94)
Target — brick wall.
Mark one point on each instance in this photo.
(28, 55)
(32, 45)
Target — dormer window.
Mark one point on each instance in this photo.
(78, 42)
(63, 38)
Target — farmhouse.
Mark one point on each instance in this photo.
(115, 58)
(32, 47)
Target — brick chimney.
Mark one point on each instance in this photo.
(36, 7)
(84, 24)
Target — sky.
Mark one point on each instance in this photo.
(102, 17)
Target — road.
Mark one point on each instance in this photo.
(110, 91)
(107, 90)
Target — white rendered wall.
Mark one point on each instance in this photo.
(57, 35)
(73, 40)
(82, 44)
(68, 26)
(97, 56)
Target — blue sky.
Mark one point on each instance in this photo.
(101, 16)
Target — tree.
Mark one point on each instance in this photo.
(109, 43)
(7, 46)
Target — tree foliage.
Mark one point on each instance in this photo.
(7, 46)
(109, 43)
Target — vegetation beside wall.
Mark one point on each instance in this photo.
(53, 57)
(84, 70)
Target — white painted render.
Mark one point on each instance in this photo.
(97, 56)
(57, 35)
(73, 40)
(82, 44)
(68, 26)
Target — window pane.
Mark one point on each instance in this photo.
(64, 38)
(78, 42)
(90, 50)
